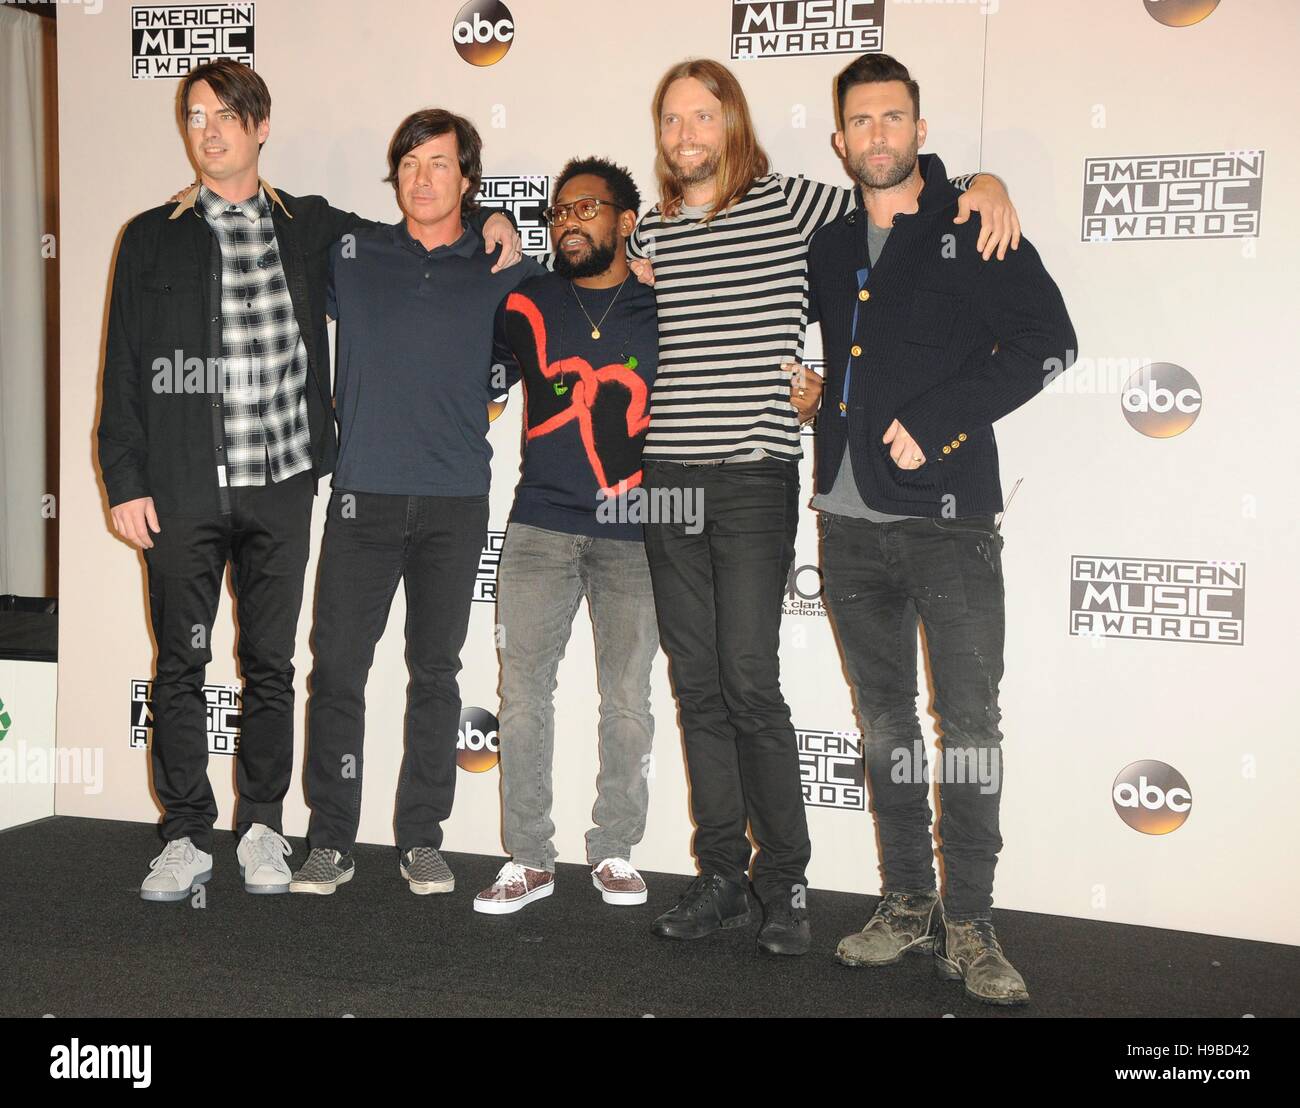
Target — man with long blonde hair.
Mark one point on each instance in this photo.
(728, 241)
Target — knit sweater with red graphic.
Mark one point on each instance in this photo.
(586, 400)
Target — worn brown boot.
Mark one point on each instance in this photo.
(969, 951)
(902, 923)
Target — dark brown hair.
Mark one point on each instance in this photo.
(870, 69)
(237, 87)
(741, 158)
(419, 127)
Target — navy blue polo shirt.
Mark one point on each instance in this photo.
(413, 360)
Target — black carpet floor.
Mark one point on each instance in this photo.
(76, 940)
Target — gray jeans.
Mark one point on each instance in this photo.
(542, 579)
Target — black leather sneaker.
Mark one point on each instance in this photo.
(711, 904)
(785, 929)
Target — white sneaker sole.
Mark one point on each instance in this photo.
(619, 898)
(321, 888)
(170, 896)
(264, 888)
(505, 907)
(424, 888)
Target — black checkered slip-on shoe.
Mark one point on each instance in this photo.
(323, 872)
(424, 868)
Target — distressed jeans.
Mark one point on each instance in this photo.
(879, 578)
(542, 578)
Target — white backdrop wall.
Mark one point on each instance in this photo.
(1025, 88)
(26, 288)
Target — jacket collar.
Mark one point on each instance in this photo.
(191, 200)
(937, 194)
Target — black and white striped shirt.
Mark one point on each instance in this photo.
(733, 308)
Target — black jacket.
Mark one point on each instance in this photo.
(167, 442)
(163, 436)
(948, 344)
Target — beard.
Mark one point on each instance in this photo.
(699, 173)
(599, 257)
(885, 176)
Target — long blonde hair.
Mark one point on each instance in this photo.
(741, 158)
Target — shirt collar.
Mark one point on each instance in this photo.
(216, 207)
(463, 246)
(191, 200)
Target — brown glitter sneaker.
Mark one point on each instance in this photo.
(515, 887)
(619, 882)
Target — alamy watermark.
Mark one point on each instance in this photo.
(970, 765)
(64, 765)
(657, 505)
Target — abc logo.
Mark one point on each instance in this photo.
(1152, 797)
(477, 747)
(1179, 13)
(1161, 400)
(483, 31)
(804, 582)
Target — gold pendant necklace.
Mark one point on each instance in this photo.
(595, 327)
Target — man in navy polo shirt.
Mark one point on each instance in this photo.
(415, 304)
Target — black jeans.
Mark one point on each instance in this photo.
(265, 539)
(878, 578)
(371, 542)
(718, 596)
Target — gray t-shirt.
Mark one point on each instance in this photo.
(844, 499)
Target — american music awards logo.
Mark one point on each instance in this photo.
(525, 198)
(792, 28)
(489, 562)
(1171, 599)
(224, 715)
(831, 769)
(171, 40)
(1213, 195)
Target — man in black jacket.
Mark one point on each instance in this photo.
(925, 348)
(216, 423)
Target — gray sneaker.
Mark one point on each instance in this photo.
(175, 871)
(902, 923)
(970, 952)
(323, 872)
(424, 868)
(263, 860)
